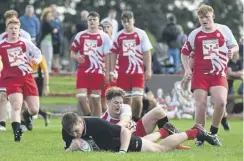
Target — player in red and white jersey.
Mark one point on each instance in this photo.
(121, 114)
(3, 97)
(17, 54)
(89, 48)
(212, 44)
(132, 47)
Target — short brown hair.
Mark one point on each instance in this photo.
(68, 121)
(113, 92)
(204, 9)
(10, 13)
(13, 20)
(126, 15)
(94, 14)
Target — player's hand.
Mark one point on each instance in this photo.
(230, 53)
(148, 74)
(113, 76)
(188, 74)
(80, 59)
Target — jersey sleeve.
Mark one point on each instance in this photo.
(189, 44)
(115, 47)
(231, 41)
(32, 50)
(145, 42)
(75, 46)
(126, 110)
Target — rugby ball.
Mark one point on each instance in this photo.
(84, 146)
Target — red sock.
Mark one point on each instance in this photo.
(163, 133)
(192, 134)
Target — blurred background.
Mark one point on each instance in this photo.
(150, 15)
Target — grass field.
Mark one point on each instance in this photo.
(45, 144)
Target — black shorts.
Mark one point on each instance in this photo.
(57, 49)
(135, 144)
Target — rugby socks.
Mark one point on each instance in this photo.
(15, 126)
(162, 121)
(192, 134)
(42, 113)
(2, 123)
(164, 133)
(213, 130)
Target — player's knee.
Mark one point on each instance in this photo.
(3, 97)
(201, 104)
(81, 96)
(159, 112)
(95, 96)
(220, 104)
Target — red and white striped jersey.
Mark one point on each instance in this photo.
(94, 46)
(130, 48)
(210, 49)
(125, 111)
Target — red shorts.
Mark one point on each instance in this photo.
(2, 87)
(140, 130)
(90, 81)
(129, 81)
(205, 81)
(21, 84)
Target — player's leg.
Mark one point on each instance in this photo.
(3, 110)
(81, 92)
(156, 116)
(124, 83)
(137, 83)
(16, 100)
(96, 85)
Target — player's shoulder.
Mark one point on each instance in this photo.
(79, 34)
(195, 31)
(222, 27)
(139, 31)
(126, 106)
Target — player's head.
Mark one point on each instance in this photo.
(206, 16)
(13, 28)
(10, 14)
(127, 20)
(93, 20)
(73, 124)
(107, 27)
(114, 97)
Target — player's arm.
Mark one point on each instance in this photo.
(67, 139)
(235, 74)
(147, 60)
(35, 52)
(124, 121)
(125, 136)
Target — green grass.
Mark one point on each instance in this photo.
(58, 100)
(45, 144)
(62, 84)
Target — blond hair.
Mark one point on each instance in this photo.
(204, 10)
(13, 20)
(10, 13)
(45, 13)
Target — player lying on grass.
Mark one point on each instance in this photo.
(110, 137)
(121, 114)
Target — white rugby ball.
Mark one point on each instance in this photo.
(84, 146)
